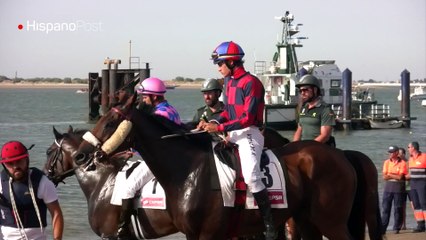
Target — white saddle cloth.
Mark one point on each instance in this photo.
(276, 184)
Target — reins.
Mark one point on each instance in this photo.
(192, 132)
(127, 118)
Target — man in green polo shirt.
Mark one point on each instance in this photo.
(316, 118)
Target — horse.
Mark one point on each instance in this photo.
(320, 187)
(97, 183)
(366, 197)
(60, 165)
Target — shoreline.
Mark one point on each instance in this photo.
(43, 85)
(4, 85)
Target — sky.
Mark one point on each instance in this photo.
(374, 39)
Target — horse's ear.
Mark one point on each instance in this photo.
(56, 133)
(70, 129)
(131, 101)
(134, 97)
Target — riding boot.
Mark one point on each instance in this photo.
(420, 227)
(264, 204)
(123, 231)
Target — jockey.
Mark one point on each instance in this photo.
(241, 119)
(151, 92)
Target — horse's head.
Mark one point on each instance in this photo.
(107, 139)
(59, 164)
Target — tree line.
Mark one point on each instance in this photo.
(80, 80)
(44, 80)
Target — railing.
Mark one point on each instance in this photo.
(380, 111)
(337, 111)
(259, 67)
(377, 111)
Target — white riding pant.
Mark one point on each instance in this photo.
(250, 145)
(126, 188)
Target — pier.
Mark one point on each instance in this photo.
(376, 116)
(102, 88)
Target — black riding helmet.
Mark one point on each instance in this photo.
(309, 80)
(211, 84)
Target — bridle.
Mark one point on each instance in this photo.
(58, 157)
(114, 141)
(121, 133)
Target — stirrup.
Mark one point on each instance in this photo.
(270, 232)
(123, 233)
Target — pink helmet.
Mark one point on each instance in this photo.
(13, 151)
(152, 86)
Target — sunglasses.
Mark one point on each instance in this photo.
(220, 63)
(301, 90)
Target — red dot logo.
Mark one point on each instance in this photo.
(20, 26)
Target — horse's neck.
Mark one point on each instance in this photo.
(174, 161)
(173, 164)
(96, 184)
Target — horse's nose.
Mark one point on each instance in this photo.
(80, 158)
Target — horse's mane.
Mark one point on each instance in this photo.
(170, 127)
(163, 122)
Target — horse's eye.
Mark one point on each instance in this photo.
(110, 126)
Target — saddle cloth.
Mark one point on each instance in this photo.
(150, 196)
(153, 196)
(273, 178)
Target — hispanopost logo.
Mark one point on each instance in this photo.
(52, 27)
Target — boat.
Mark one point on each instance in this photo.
(82, 90)
(171, 86)
(418, 94)
(362, 94)
(388, 124)
(280, 76)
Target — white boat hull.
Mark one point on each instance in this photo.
(418, 97)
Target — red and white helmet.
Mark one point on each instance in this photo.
(152, 86)
(13, 151)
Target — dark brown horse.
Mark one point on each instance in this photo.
(321, 183)
(365, 210)
(60, 165)
(97, 183)
(366, 197)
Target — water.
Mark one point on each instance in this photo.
(28, 115)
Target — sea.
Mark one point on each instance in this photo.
(28, 115)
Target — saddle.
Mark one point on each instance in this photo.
(228, 154)
(227, 168)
